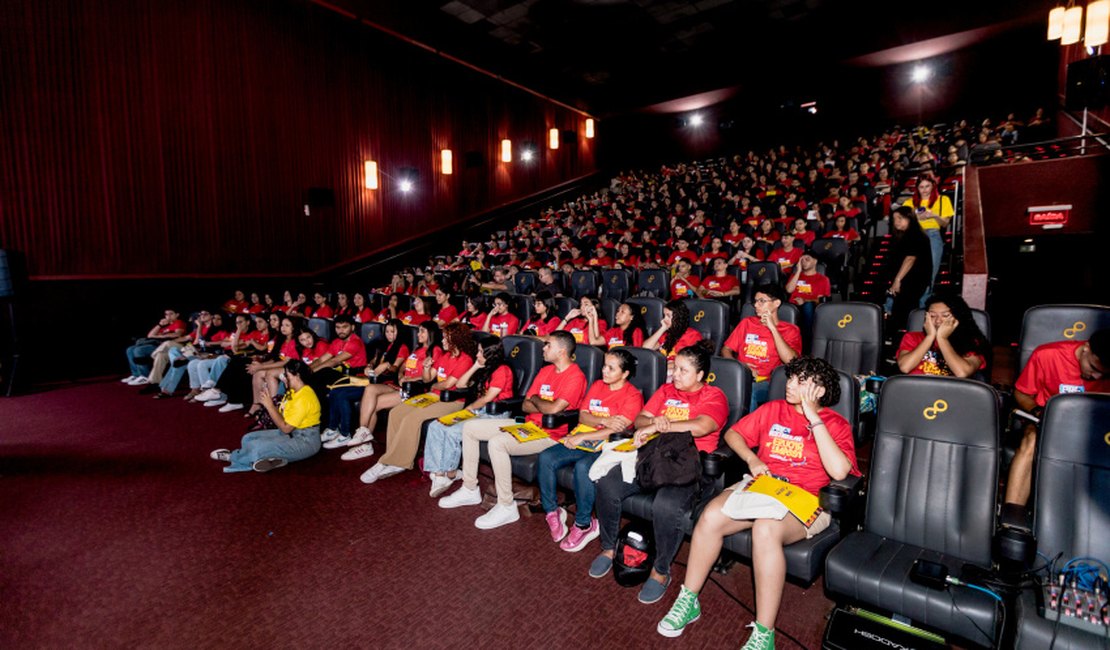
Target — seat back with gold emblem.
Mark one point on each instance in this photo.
(710, 317)
(525, 358)
(735, 380)
(849, 335)
(1050, 323)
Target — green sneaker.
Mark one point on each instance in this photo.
(761, 638)
(685, 610)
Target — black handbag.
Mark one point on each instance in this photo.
(669, 459)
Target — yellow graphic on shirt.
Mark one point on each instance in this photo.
(755, 347)
(578, 334)
(676, 410)
(547, 393)
(784, 446)
(803, 287)
(931, 365)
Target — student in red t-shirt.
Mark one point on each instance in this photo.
(628, 329)
(491, 381)
(686, 406)
(418, 314)
(716, 250)
(803, 237)
(786, 255)
(734, 235)
(322, 308)
(682, 252)
(476, 311)
(405, 421)
(746, 253)
(950, 343)
(841, 230)
(684, 285)
(544, 319)
(501, 321)
(362, 311)
(557, 387)
(346, 354)
(766, 232)
(447, 312)
(237, 305)
(168, 328)
(264, 374)
(1053, 369)
(601, 259)
(583, 322)
(763, 342)
(674, 333)
(722, 284)
(610, 406)
(799, 439)
(807, 288)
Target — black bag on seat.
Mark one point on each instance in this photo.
(670, 459)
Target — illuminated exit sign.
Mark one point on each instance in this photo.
(1049, 216)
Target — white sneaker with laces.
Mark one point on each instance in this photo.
(361, 451)
(208, 395)
(463, 496)
(499, 515)
(128, 379)
(219, 401)
(337, 442)
(389, 470)
(372, 474)
(328, 435)
(139, 381)
(440, 484)
(362, 436)
(228, 408)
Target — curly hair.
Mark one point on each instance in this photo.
(457, 336)
(822, 372)
(680, 322)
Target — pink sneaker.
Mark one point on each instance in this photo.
(556, 523)
(578, 538)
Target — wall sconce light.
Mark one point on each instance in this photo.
(1073, 23)
(370, 169)
(1056, 23)
(589, 127)
(1098, 23)
(446, 162)
(506, 151)
(553, 138)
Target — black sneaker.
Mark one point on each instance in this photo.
(267, 464)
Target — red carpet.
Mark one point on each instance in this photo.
(117, 530)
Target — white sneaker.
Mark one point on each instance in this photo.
(362, 436)
(207, 385)
(220, 454)
(128, 379)
(361, 451)
(208, 394)
(498, 515)
(219, 401)
(372, 474)
(139, 381)
(228, 408)
(328, 435)
(440, 484)
(389, 470)
(337, 442)
(463, 496)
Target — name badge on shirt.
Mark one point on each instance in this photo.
(597, 409)
(546, 392)
(1071, 388)
(785, 446)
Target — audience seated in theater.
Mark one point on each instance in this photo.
(684, 406)
(721, 284)
(296, 435)
(583, 323)
(320, 308)
(361, 311)
(683, 283)
(841, 230)
(950, 343)
(237, 304)
(763, 342)
(205, 370)
(419, 312)
(234, 383)
(491, 380)
(265, 373)
(558, 386)
(544, 319)
(445, 311)
(346, 356)
(342, 400)
(826, 451)
(206, 328)
(501, 321)
(628, 329)
(786, 254)
(168, 328)
(476, 311)
(1052, 369)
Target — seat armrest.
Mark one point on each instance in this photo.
(568, 417)
(453, 394)
(1014, 543)
(417, 387)
(839, 497)
(722, 462)
(510, 407)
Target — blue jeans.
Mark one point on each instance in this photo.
(136, 352)
(206, 371)
(271, 443)
(551, 461)
(443, 445)
(341, 407)
(936, 247)
(761, 392)
(173, 375)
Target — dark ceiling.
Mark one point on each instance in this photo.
(615, 56)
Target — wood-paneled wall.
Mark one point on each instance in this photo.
(146, 138)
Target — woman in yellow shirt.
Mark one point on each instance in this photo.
(933, 211)
(297, 435)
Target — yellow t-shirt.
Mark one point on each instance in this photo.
(942, 208)
(301, 408)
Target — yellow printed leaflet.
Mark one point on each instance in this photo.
(586, 445)
(628, 446)
(423, 400)
(456, 417)
(526, 432)
(801, 504)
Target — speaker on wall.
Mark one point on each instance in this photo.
(1087, 83)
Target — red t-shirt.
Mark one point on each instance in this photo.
(601, 261)
(476, 320)
(686, 287)
(688, 338)
(682, 255)
(707, 258)
(604, 402)
(451, 366)
(502, 378)
(755, 347)
(735, 240)
(219, 336)
(413, 368)
(786, 259)
(719, 283)
(614, 337)
(256, 336)
(311, 354)
(504, 324)
(256, 309)
(413, 318)
(288, 350)
(176, 327)
(542, 328)
(579, 329)
(849, 235)
(778, 433)
(448, 314)
(933, 361)
(679, 405)
(323, 311)
(352, 345)
(365, 316)
(1053, 369)
(806, 238)
(811, 288)
(552, 385)
(236, 306)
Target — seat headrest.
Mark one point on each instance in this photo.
(1048, 323)
(848, 321)
(1076, 429)
(941, 409)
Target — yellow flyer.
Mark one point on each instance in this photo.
(526, 432)
(801, 504)
(586, 445)
(456, 417)
(423, 400)
(628, 445)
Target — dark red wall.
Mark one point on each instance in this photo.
(178, 137)
(1006, 191)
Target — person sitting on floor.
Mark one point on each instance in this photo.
(798, 439)
(296, 437)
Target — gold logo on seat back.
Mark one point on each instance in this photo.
(1077, 327)
(516, 351)
(712, 377)
(1107, 438)
(698, 316)
(843, 322)
(939, 406)
(643, 309)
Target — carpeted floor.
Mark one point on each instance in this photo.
(117, 530)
